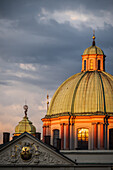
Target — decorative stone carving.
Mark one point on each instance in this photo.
(29, 153)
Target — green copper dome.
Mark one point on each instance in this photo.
(25, 125)
(85, 93)
(93, 50)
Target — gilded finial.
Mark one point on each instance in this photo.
(25, 110)
(93, 44)
(47, 101)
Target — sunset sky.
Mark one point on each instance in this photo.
(41, 43)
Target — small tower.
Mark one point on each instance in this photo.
(25, 125)
(93, 58)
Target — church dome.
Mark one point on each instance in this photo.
(88, 92)
(81, 110)
(93, 50)
(25, 125)
(85, 93)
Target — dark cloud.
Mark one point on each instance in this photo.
(41, 43)
(23, 8)
(35, 42)
(5, 83)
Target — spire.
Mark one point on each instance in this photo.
(93, 43)
(25, 110)
(47, 101)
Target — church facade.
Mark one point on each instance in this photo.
(28, 152)
(78, 126)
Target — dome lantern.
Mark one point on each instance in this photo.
(93, 58)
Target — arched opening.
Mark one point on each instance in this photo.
(98, 64)
(111, 139)
(84, 64)
(55, 137)
(82, 136)
(91, 64)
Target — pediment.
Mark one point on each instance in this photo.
(27, 150)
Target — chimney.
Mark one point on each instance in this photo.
(6, 136)
(47, 139)
(38, 135)
(59, 144)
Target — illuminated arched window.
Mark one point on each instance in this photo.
(84, 64)
(91, 64)
(82, 138)
(98, 64)
(55, 137)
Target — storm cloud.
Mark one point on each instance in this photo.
(41, 43)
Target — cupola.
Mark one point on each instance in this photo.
(25, 125)
(93, 58)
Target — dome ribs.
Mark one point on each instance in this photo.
(108, 84)
(52, 109)
(108, 75)
(90, 91)
(99, 94)
(86, 93)
(93, 50)
(103, 92)
(108, 80)
(25, 125)
(75, 90)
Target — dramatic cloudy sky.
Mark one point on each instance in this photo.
(41, 43)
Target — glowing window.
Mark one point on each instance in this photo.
(84, 64)
(91, 64)
(83, 134)
(83, 138)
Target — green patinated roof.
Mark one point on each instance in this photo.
(93, 50)
(85, 92)
(25, 125)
